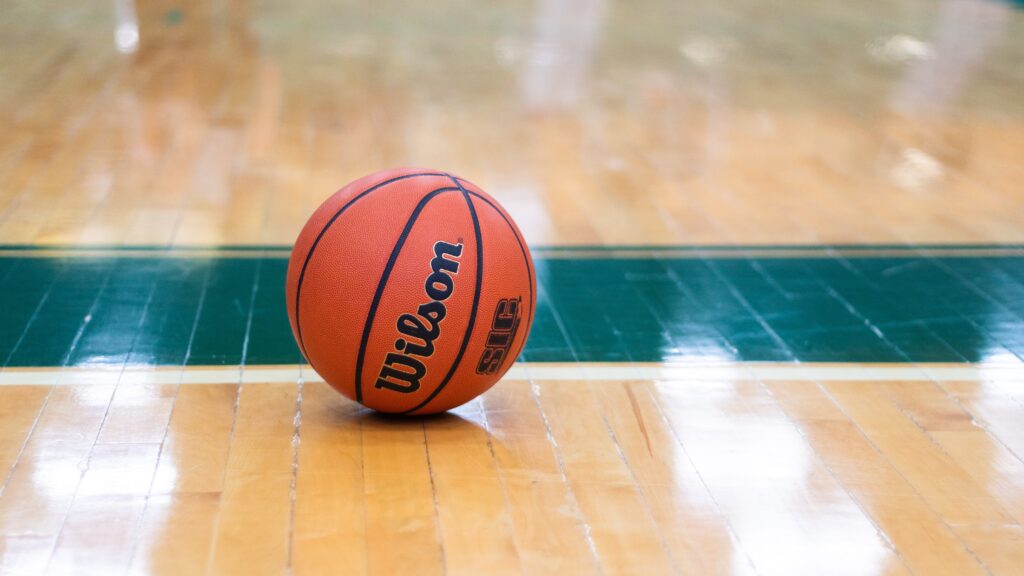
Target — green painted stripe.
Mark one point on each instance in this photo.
(81, 309)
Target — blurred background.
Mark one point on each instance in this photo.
(648, 122)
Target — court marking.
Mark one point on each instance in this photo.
(582, 371)
(553, 252)
(957, 310)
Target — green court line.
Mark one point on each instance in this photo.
(213, 310)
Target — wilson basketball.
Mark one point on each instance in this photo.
(411, 291)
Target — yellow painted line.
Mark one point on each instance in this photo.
(594, 372)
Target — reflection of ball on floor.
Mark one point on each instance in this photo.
(411, 291)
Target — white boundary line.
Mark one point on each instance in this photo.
(148, 375)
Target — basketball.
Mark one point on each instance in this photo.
(410, 291)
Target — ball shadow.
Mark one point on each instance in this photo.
(347, 413)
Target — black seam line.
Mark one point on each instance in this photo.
(529, 272)
(476, 301)
(309, 255)
(383, 284)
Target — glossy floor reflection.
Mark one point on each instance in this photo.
(650, 477)
(594, 122)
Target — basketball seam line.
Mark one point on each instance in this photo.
(476, 300)
(312, 248)
(382, 284)
(526, 260)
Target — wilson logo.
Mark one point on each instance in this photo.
(503, 332)
(402, 369)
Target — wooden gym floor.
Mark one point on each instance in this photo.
(780, 251)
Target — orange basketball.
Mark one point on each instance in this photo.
(411, 291)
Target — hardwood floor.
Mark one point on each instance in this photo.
(780, 255)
